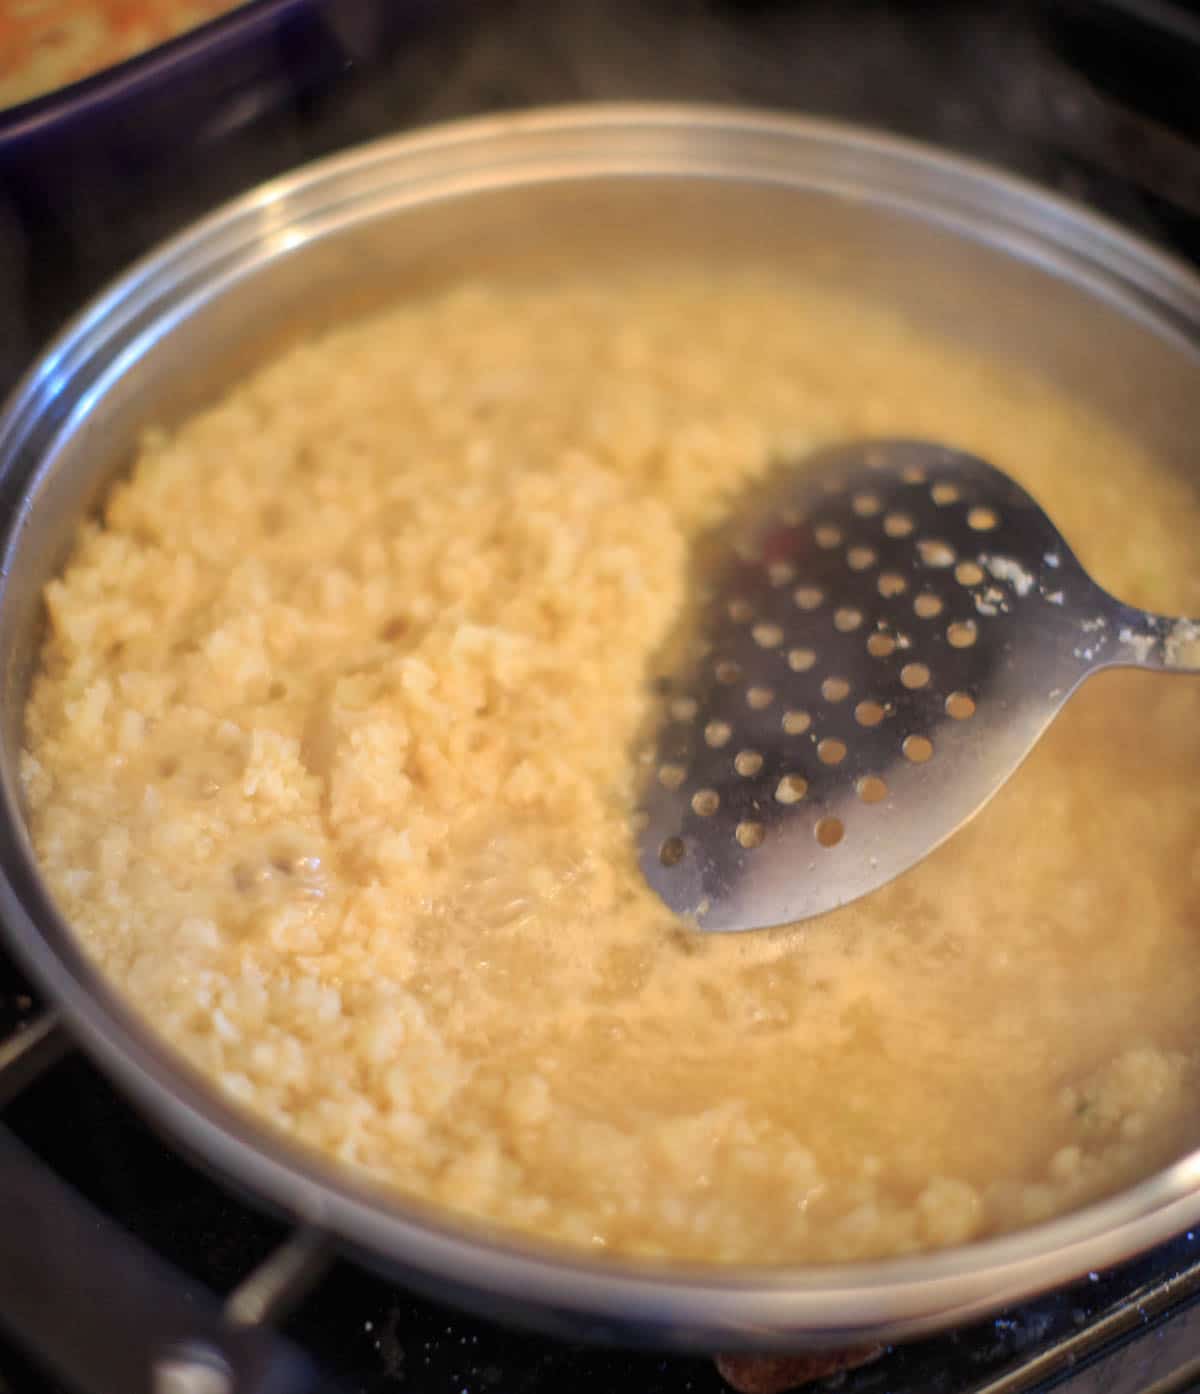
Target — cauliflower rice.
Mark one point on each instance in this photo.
(329, 762)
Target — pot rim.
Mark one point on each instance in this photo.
(673, 1304)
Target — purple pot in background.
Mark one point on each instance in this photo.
(94, 173)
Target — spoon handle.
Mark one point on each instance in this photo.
(1139, 639)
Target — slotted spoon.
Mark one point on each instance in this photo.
(875, 643)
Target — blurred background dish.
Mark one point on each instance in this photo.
(47, 44)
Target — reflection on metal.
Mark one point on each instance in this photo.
(280, 1281)
(30, 1053)
(192, 1369)
(1144, 1345)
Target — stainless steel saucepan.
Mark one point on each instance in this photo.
(962, 250)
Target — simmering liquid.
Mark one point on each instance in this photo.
(329, 764)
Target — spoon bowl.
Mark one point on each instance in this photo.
(874, 643)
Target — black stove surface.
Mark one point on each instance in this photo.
(1098, 99)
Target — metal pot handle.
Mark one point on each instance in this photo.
(107, 1314)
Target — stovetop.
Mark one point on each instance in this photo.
(1098, 99)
